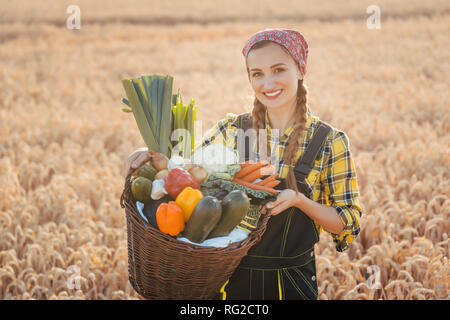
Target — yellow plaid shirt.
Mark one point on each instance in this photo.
(331, 182)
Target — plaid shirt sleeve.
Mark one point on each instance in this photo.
(341, 188)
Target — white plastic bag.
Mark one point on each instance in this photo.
(221, 242)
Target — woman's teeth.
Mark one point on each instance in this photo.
(272, 94)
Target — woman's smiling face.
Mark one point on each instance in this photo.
(274, 75)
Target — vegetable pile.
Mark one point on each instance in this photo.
(196, 196)
(197, 205)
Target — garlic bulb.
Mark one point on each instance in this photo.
(158, 190)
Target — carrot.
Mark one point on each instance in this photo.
(246, 164)
(272, 184)
(259, 173)
(249, 168)
(253, 186)
(253, 175)
(268, 169)
(267, 180)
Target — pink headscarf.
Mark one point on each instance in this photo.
(292, 40)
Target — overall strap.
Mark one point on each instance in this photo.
(306, 162)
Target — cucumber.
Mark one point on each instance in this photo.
(203, 219)
(235, 206)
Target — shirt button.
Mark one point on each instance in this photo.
(313, 278)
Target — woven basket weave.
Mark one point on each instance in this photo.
(162, 267)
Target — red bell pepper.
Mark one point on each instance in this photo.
(177, 180)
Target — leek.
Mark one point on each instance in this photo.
(150, 101)
(166, 117)
(139, 115)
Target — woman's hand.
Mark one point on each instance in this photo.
(325, 216)
(136, 159)
(285, 199)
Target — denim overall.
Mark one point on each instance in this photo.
(282, 265)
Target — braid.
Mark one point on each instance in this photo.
(259, 122)
(296, 136)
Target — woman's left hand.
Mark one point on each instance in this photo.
(285, 199)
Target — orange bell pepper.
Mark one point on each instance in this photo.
(170, 218)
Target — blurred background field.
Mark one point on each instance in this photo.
(64, 138)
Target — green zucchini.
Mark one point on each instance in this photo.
(235, 206)
(203, 219)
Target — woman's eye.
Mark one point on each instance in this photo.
(277, 70)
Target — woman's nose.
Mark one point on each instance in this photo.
(269, 84)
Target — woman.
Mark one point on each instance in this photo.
(282, 264)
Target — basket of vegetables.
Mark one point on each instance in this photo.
(191, 218)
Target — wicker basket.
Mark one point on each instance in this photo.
(162, 267)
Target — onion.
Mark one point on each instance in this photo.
(162, 174)
(199, 173)
(158, 160)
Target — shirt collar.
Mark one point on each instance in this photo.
(286, 134)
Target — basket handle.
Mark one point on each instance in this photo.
(126, 189)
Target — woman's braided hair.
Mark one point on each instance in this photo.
(296, 136)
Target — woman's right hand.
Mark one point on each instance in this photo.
(136, 159)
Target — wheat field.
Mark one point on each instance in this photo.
(63, 136)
